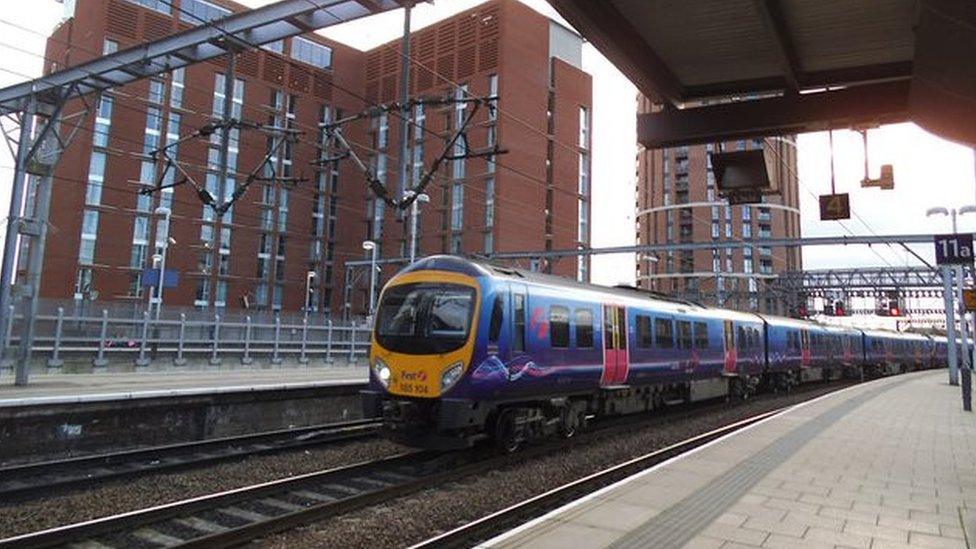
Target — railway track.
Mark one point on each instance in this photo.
(235, 516)
(22, 482)
(500, 521)
(240, 515)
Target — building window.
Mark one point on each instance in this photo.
(96, 177)
(162, 6)
(457, 206)
(278, 46)
(83, 283)
(582, 274)
(89, 235)
(583, 214)
(103, 121)
(196, 12)
(459, 147)
(156, 91)
(176, 91)
(312, 53)
(419, 119)
(584, 124)
(109, 47)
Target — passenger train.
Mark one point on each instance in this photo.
(463, 351)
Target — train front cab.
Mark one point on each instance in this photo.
(424, 339)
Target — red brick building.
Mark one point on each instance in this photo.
(677, 201)
(302, 217)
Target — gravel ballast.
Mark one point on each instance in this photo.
(120, 496)
(411, 519)
(399, 522)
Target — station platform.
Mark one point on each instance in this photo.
(885, 464)
(79, 388)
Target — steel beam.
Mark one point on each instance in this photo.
(772, 18)
(884, 103)
(858, 278)
(607, 29)
(738, 244)
(258, 26)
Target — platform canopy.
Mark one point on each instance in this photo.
(730, 69)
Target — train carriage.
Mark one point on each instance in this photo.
(465, 350)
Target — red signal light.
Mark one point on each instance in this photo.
(894, 311)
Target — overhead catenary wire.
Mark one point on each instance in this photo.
(372, 150)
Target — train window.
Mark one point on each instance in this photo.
(743, 342)
(664, 333)
(559, 326)
(584, 328)
(701, 335)
(755, 337)
(644, 338)
(495, 327)
(622, 326)
(684, 334)
(518, 322)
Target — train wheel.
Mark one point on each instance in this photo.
(739, 390)
(571, 424)
(509, 432)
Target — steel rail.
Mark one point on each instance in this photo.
(30, 480)
(279, 505)
(121, 525)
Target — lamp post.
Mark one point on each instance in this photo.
(370, 246)
(165, 212)
(947, 275)
(414, 214)
(308, 291)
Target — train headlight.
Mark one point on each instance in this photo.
(382, 372)
(451, 375)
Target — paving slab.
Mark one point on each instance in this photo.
(889, 463)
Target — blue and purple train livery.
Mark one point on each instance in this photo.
(464, 350)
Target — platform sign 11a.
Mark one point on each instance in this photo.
(954, 249)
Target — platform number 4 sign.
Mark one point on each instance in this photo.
(835, 206)
(954, 249)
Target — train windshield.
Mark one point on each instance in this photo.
(425, 318)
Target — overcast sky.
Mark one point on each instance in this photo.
(928, 171)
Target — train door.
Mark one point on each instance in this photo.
(804, 348)
(519, 306)
(729, 347)
(615, 360)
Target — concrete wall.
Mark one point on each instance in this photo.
(48, 431)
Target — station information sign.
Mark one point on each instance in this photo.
(954, 249)
(835, 206)
(969, 299)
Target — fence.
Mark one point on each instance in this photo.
(213, 338)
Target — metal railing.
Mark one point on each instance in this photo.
(213, 338)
